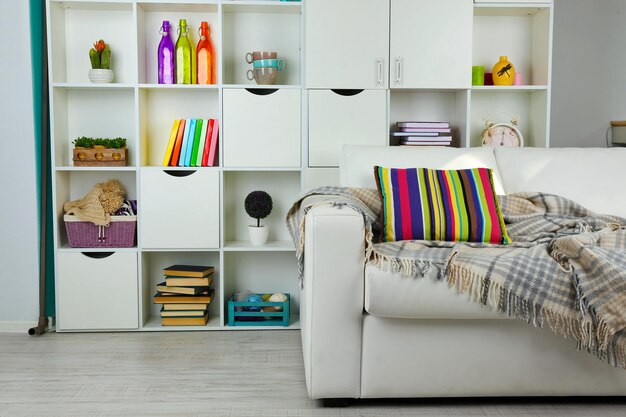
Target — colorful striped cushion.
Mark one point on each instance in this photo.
(429, 204)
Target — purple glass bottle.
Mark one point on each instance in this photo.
(167, 61)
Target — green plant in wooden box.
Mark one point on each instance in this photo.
(94, 152)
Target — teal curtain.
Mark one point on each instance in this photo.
(40, 116)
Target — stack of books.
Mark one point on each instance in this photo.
(185, 295)
(193, 143)
(424, 133)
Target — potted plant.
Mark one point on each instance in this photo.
(258, 205)
(100, 57)
(90, 152)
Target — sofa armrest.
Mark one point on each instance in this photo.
(331, 303)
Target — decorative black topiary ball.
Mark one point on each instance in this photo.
(258, 205)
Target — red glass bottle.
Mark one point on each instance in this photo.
(205, 56)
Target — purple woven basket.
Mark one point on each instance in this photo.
(120, 233)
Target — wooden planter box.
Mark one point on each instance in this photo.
(100, 157)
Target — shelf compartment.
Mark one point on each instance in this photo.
(262, 128)
(73, 185)
(270, 272)
(531, 107)
(150, 16)
(79, 112)
(158, 108)
(152, 265)
(97, 290)
(446, 106)
(179, 209)
(262, 26)
(319, 177)
(344, 117)
(283, 187)
(77, 25)
(521, 33)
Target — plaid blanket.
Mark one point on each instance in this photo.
(565, 270)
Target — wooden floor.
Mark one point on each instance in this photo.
(204, 373)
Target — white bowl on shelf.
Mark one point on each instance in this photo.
(100, 76)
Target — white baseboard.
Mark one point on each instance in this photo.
(16, 326)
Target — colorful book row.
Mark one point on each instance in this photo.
(193, 143)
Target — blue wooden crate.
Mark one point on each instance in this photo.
(258, 318)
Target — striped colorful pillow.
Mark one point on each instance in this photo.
(429, 204)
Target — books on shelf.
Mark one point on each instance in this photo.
(185, 307)
(418, 133)
(192, 290)
(424, 125)
(185, 295)
(175, 281)
(197, 271)
(170, 298)
(182, 313)
(192, 143)
(186, 320)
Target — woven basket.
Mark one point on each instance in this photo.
(120, 233)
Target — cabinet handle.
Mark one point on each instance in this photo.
(381, 61)
(398, 71)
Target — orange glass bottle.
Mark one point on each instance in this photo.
(204, 56)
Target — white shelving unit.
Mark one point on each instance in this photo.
(350, 76)
(186, 215)
(445, 38)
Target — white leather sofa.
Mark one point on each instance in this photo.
(371, 334)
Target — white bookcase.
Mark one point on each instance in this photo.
(352, 72)
(430, 47)
(186, 215)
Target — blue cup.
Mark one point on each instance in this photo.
(279, 64)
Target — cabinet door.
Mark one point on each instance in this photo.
(431, 44)
(97, 290)
(347, 43)
(262, 127)
(337, 118)
(180, 209)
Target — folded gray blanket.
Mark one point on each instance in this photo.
(565, 270)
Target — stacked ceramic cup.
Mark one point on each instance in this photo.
(265, 66)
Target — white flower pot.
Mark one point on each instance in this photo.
(100, 76)
(258, 235)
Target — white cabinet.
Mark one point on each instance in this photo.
(347, 43)
(344, 117)
(431, 44)
(179, 209)
(97, 290)
(262, 127)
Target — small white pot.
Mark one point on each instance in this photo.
(100, 76)
(258, 235)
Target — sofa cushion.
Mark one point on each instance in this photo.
(357, 162)
(389, 294)
(593, 177)
(431, 204)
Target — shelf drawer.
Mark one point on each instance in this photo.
(262, 128)
(344, 117)
(97, 290)
(179, 209)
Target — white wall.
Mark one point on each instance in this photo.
(19, 276)
(588, 71)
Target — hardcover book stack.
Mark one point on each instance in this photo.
(193, 143)
(185, 295)
(423, 133)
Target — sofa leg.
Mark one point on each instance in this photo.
(335, 402)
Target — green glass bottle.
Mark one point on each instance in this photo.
(184, 55)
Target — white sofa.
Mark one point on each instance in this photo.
(372, 334)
